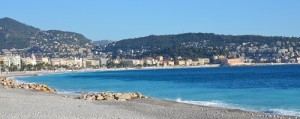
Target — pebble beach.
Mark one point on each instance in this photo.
(19, 103)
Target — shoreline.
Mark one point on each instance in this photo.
(163, 100)
(50, 105)
(36, 73)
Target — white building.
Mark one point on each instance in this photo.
(9, 60)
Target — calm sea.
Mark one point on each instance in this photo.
(271, 89)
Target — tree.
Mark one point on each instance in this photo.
(111, 65)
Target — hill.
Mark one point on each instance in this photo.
(102, 42)
(14, 34)
(193, 45)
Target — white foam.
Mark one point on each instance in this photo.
(284, 112)
(213, 103)
(68, 92)
(80, 92)
(23, 82)
(216, 103)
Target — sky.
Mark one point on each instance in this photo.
(122, 19)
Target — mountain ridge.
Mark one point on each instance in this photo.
(14, 34)
(193, 45)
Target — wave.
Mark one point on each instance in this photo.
(290, 112)
(23, 82)
(76, 92)
(216, 103)
(213, 103)
(69, 92)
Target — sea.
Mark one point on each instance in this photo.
(269, 89)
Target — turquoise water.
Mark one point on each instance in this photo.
(271, 89)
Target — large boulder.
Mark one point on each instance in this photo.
(99, 97)
(32, 86)
(109, 96)
(126, 96)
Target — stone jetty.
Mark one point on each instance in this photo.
(111, 96)
(9, 83)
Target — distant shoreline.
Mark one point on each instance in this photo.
(36, 73)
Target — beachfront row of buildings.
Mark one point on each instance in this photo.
(16, 62)
(10, 60)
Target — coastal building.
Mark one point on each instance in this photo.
(11, 60)
(78, 62)
(195, 63)
(298, 59)
(160, 58)
(55, 62)
(116, 61)
(62, 62)
(148, 61)
(235, 61)
(133, 62)
(91, 63)
(137, 62)
(16, 60)
(1, 60)
(41, 59)
(219, 59)
(71, 63)
(278, 60)
(188, 62)
(203, 61)
(129, 62)
(170, 63)
(33, 59)
(249, 60)
(180, 62)
(28, 61)
(159, 63)
(103, 62)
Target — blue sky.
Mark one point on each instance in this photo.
(121, 19)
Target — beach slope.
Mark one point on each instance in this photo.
(19, 103)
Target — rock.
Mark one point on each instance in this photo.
(99, 97)
(32, 86)
(52, 91)
(93, 97)
(44, 90)
(89, 97)
(14, 85)
(117, 95)
(37, 88)
(111, 96)
(9, 83)
(24, 86)
(84, 96)
(125, 96)
(139, 95)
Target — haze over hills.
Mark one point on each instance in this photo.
(14, 34)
